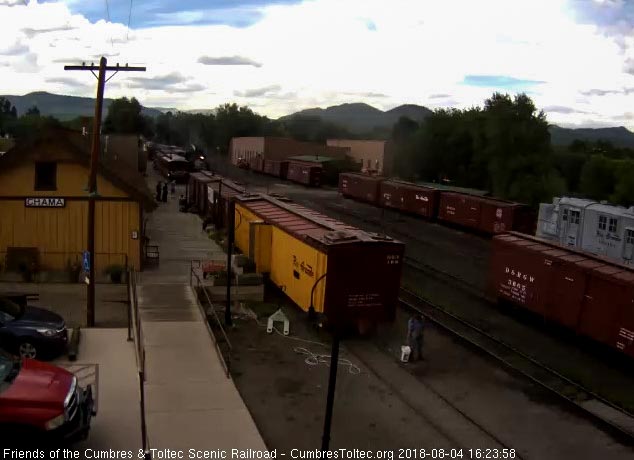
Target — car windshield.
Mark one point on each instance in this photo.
(9, 308)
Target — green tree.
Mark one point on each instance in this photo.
(33, 111)
(598, 177)
(624, 187)
(8, 114)
(124, 117)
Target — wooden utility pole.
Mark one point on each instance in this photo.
(94, 165)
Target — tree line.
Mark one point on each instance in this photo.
(503, 147)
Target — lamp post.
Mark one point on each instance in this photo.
(332, 383)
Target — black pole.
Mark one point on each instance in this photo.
(230, 237)
(332, 382)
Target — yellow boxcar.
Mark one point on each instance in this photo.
(347, 274)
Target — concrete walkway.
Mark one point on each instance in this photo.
(117, 425)
(190, 402)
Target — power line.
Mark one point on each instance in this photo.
(108, 16)
(108, 10)
(129, 16)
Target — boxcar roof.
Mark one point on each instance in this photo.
(605, 266)
(364, 176)
(451, 188)
(202, 177)
(306, 223)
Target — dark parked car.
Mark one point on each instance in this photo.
(30, 332)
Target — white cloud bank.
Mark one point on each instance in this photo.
(322, 52)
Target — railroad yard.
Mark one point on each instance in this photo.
(465, 393)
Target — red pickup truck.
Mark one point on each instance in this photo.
(41, 403)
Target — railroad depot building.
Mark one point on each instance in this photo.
(44, 205)
(280, 148)
(374, 155)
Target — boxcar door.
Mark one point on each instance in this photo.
(628, 247)
(570, 219)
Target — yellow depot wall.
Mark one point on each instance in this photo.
(287, 255)
(72, 179)
(60, 233)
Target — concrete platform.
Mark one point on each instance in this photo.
(117, 424)
(190, 401)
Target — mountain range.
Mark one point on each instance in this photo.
(356, 117)
(362, 118)
(63, 107)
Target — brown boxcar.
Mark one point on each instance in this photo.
(257, 163)
(304, 173)
(360, 187)
(410, 198)
(218, 196)
(485, 214)
(277, 168)
(585, 293)
(351, 276)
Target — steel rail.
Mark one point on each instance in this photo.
(519, 361)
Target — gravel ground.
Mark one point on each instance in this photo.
(454, 399)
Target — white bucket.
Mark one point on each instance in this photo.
(405, 352)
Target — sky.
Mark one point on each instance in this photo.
(574, 58)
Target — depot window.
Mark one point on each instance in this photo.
(613, 225)
(603, 222)
(46, 175)
(564, 216)
(574, 217)
(629, 237)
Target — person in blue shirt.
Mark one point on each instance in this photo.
(415, 327)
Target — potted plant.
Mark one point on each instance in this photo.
(116, 273)
(29, 271)
(73, 270)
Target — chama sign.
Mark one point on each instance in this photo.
(44, 202)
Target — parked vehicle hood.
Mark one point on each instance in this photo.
(34, 316)
(38, 384)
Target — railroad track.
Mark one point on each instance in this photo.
(612, 417)
(444, 277)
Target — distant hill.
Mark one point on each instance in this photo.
(619, 136)
(63, 107)
(362, 118)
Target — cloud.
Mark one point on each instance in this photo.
(368, 94)
(67, 81)
(258, 92)
(498, 81)
(628, 67)
(31, 32)
(173, 82)
(228, 60)
(604, 92)
(624, 116)
(11, 3)
(150, 13)
(322, 52)
(27, 64)
(563, 109)
(14, 50)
